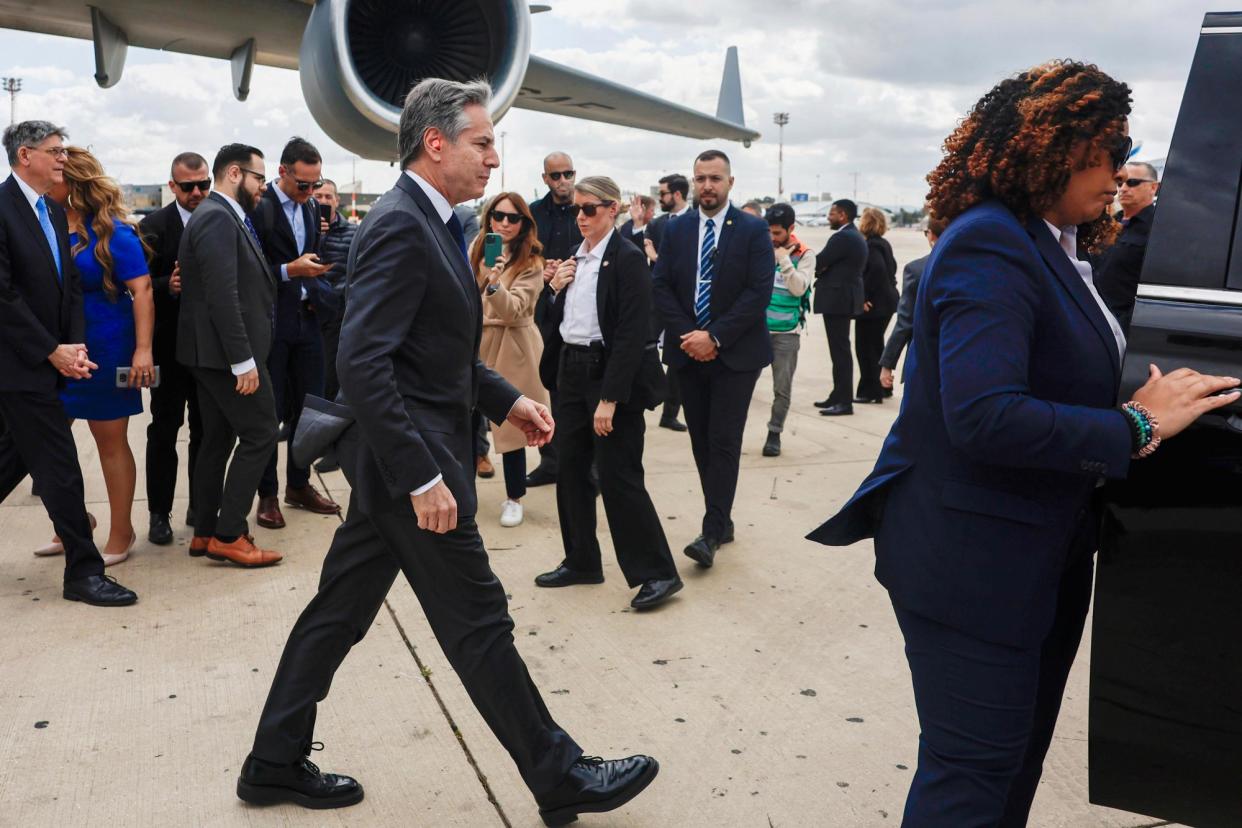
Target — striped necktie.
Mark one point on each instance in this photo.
(707, 268)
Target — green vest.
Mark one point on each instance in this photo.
(786, 311)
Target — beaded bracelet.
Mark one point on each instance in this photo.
(1147, 429)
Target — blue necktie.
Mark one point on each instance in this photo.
(454, 226)
(707, 267)
(49, 232)
(255, 233)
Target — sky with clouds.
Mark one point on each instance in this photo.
(871, 88)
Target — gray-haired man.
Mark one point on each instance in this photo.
(408, 367)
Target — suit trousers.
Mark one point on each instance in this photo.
(838, 329)
(296, 366)
(169, 401)
(637, 536)
(987, 711)
(869, 346)
(672, 398)
(222, 503)
(331, 335)
(35, 439)
(716, 400)
(784, 363)
(466, 608)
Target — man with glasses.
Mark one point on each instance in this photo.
(189, 183)
(1118, 276)
(559, 235)
(42, 336)
(224, 334)
(288, 223)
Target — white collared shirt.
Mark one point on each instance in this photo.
(580, 324)
(31, 195)
(184, 213)
(297, 223)
(685, 208)
(718, 221)
(1067, 240)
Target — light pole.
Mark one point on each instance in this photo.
(502, 160)
(855, 185)
(12, 86)
(780, 119)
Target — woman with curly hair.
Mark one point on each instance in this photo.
(120, 315)
(982, 500)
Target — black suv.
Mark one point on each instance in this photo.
(1166, 663)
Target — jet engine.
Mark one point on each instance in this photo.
(360, 58)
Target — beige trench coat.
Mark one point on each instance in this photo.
(511, 345)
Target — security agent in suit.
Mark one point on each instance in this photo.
(839, 297)
(42, 331)
(903, 328)
(982, 500)
(288, 224)
(673, 191)
(189, 182)
(410, 372)
(601, 359)
(713, 283)
(224, 334)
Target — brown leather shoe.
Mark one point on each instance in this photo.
(269, 516)
(198, 546)
(309, 498)
(483, 467)
(242, 552)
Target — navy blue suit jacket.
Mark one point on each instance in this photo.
(272, 224)
(741, 288)
(1006, 426)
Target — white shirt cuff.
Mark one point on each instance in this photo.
(243, 367)
(428, 486)
(284, 273)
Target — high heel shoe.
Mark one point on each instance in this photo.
(121, 557)
(58, 548)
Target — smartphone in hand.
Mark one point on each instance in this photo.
(492, 246)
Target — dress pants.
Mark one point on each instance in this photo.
(35, 439)
(169, 401)
(222, 504)
(987, 711)
(296, 367)
(637, 536)
(672, 398)
(784, 363)
(514, 464)
(869, 346)
(331, 335)
(716, 400)
(838, 328)
(466, 607)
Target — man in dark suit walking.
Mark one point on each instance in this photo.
(224, 334)
(839, 297)
(713, 283)
(410, 372)
(287, 221)
(673, 191)
(42, 331)
(190, 182)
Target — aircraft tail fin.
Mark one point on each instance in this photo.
(729, 104)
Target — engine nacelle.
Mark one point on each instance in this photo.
(360, 58)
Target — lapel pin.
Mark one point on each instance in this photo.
(605, 263)
(728, 221)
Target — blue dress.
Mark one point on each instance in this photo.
(110, 337)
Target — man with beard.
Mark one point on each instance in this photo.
(224, 336)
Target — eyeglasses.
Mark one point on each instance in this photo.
(191, 186)
(1134, 182)
(257, 175)
(568, 175)
(589, 209)
(1120, 153)
(303, 186)
(55, 152)
(500, 216)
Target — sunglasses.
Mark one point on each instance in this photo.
(568, 175)
(589, 209)
(1134, 182)
(190, 186)
(1120, 153)
(500, 216)
(303, 186)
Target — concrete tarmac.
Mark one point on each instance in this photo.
(773, 689)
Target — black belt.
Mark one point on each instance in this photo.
(596, 347)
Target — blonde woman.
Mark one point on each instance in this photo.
(120, 315)
(511, 345)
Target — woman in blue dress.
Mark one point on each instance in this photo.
(120, 315)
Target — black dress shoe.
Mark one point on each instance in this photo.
(727, 537)
(655, 592)
(672, 424)
(564, 576)
(594, 785)
(888, 392)
(99, 591)
(541, 476)
(302, 783)
(838, 410)
(160, 533)
(828, 403)
(869, 400)
(772, 446)
(702, 550)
